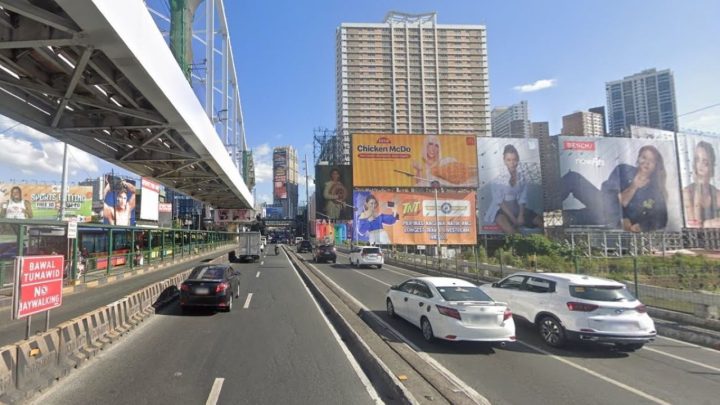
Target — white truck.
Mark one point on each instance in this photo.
(249, 247)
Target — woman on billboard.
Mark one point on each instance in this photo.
(334, 194)
(509, 197)
(371, 221)
(700, 198)
(430, 159)
(634, 195)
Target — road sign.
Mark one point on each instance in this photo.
(72, 230)
(38, 285)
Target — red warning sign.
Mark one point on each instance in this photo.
(39, 284)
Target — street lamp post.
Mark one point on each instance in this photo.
(435, 185)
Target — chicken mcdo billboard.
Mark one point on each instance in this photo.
(391, 160)
(387, 218)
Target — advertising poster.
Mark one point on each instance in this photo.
(388, 218)
(324, 231)
(223, 216)
(150, 198)
(340, 233)
(620, 184)
(334, 191)
(42, 201)
(165, 215)
(273, 212)
(280, 168)
(510, 192)
(119, 197)
(699, 177)
(391, 160)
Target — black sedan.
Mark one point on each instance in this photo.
(325, 253)
(210, 286)
(304, 247)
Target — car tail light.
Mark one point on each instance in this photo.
(581, 307)
(507, 314)
(451, 312)
(221, 287)
(641, 308)
(184, 287)
(450, 337)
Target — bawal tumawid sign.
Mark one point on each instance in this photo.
(39, 284)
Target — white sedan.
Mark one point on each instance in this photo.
(451, 309)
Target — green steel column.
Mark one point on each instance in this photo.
(131, 259)
(173, 244)
(162, 245)
(74, 259)
(110, 250)
(150, 250)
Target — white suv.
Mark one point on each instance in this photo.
(366, 256)
(576, 307)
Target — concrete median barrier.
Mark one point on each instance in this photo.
(118, 315)
(73, 346)
(8, 380)
(98, 328)
(37, 361)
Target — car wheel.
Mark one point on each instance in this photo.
(552, 332)
(390, 308)
(183, 309)
(229, 306)
(629, 347)
(379, 266)
(427, 330)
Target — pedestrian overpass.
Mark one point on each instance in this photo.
(99, 75)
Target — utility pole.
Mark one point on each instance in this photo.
(307, 203)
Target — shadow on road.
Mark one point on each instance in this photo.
(173, 309)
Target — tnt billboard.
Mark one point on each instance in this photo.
(39, 284)
(391, 160)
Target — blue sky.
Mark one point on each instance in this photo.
(285, 61)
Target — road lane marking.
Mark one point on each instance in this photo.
(697, 363)
(378, 280)
(353, 363)
(215, 392)
(596, 374)
(257, 275)
(247, 301)
(688, 344)
(461, 385)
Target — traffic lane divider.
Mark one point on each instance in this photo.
(37, 362)
(8, 369)
(73, 347)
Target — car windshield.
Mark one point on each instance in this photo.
(326, 247)
(305, 244)
(462, 293)
(371, 250)
(601, 293)
(207, 273)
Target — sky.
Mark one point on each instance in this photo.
(556, 54)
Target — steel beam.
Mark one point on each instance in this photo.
(40, 15)
(77, 74)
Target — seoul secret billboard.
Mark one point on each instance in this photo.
(392, 160)
(387, 218)
(510, 192)
(620, 184)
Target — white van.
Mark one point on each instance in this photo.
(299, 239)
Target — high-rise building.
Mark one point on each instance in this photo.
(550, 168)
(582, 123)
(411, 75)
(285, 180)
(539, 129)
(601, 110)
(646, 98)
(512, 121)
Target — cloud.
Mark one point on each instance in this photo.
(262, 150)
(264, 198)
(538, 85)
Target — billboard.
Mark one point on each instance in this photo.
(389, 160)
(149, 200)
(384, 218)
(42, 201)
(165, 215)
(510, 192)
(280, 179)
(119, 198)
(224, 216)
(334, 191)
(324, 231)
(274, 212)
(619, 183)
(699, 174)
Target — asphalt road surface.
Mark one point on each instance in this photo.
(274, 347)
(529, 372)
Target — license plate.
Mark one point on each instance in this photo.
(202, 291)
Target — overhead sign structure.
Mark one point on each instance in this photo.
(39, 284)
(387, 218)
(392, 160)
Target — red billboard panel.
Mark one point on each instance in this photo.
(39, 286)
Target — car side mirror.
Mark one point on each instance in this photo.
(394, 287)
(495, 285)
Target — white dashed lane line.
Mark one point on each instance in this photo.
(257, 275)
(215, 392)
(247, 301)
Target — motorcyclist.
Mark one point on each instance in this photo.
(277, 249)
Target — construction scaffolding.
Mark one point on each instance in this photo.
(596, 243)
(329, 148)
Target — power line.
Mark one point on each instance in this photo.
(699, 109)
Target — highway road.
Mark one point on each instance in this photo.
(664, 372)
(80, 303)
(274, 347)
